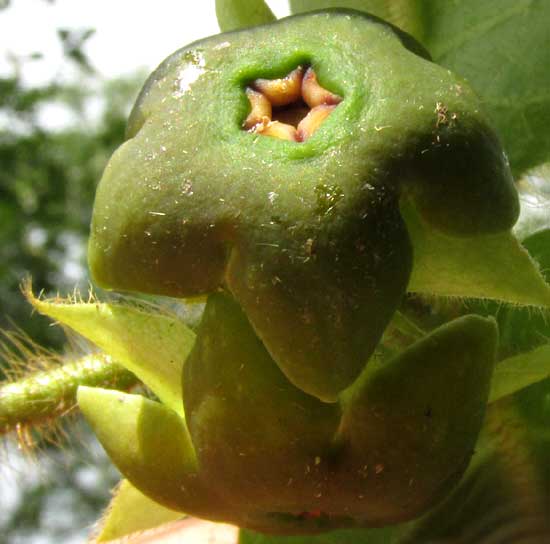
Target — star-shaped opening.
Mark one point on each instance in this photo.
(290, 108)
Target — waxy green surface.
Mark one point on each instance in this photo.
(307, 237)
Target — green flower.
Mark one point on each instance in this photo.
(301, 248)
(307, 237)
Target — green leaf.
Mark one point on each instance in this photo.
(487, 267)
(385, 535)
(237, 14)
(520, 371)
(151, 344)
(131, 511)
(502, 47)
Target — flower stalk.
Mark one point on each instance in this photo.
(46, 395)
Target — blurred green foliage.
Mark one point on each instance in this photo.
(54, 142)
(48, 179)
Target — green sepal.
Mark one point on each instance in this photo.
(131, 511)
(409, 425)
(488, 267)
(524, 332)
(151, 344)
(151, 447)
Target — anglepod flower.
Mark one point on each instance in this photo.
(306, 236)
(266, 168)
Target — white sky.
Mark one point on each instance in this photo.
(129, 34)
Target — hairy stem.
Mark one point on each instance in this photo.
(51, 393)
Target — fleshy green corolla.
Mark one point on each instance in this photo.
(300, 246)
